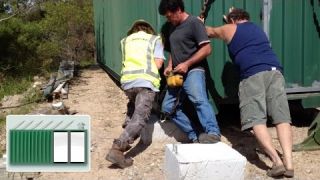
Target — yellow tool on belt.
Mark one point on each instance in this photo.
(174, 80)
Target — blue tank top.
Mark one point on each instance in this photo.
(250, 50)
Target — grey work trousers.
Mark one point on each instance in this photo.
(138, 112)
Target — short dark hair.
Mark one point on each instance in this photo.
(238, 14)
(170, 5)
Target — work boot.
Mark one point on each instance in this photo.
(209, 138)
(116, 155)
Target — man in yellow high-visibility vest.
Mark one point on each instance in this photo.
(142, 57)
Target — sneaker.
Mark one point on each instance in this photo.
(209, 138)
(289, 173)
(276, 171)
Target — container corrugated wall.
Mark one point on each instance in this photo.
(30, 147)
(293, 34)
(113, 18)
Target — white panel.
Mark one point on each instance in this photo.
(77, 146)
(60, 146)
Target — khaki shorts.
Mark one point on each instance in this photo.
(263, 95)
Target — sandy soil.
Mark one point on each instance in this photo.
(96, 94)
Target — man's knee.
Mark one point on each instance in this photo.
(199, 101)
(134, 127)
(165, 108)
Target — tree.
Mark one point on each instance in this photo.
(39, 37)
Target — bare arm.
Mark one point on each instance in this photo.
(203, 52)
(224, 32)
(168, 69)
(159, 62)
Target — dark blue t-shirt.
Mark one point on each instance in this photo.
(250, 50)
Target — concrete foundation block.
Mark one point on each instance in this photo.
(203, 162)
(166, 131)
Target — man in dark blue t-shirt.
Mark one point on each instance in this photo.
(189, 47)
(261, 90)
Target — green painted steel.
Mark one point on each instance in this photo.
(293, 35)
(30, 147)
(113, 18)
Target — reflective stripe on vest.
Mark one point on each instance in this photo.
(138, 58)
(149, 59)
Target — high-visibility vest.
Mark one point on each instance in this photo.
(138, 58)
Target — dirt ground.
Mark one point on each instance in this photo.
(96, 94)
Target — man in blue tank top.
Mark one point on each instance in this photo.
(261, 90)
(189, 47)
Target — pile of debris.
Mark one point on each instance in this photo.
(57, 89)
(58, 86)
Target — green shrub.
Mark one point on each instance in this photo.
(13, 86)
(36, 40)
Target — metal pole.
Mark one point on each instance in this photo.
(267, 7)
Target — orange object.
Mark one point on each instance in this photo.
(174, 80)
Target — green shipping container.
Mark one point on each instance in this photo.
(292, 25)
(30, 147)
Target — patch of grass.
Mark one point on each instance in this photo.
(86, 63)
(2, 131)
(24, 109)
(32, 95)
(18, 111)
(11, 86)
(2, 121)
(28, 103)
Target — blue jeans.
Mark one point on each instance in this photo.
(194, 87)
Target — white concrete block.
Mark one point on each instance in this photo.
(166, 131)
(203, 162)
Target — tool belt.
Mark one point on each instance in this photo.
(175, 80)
